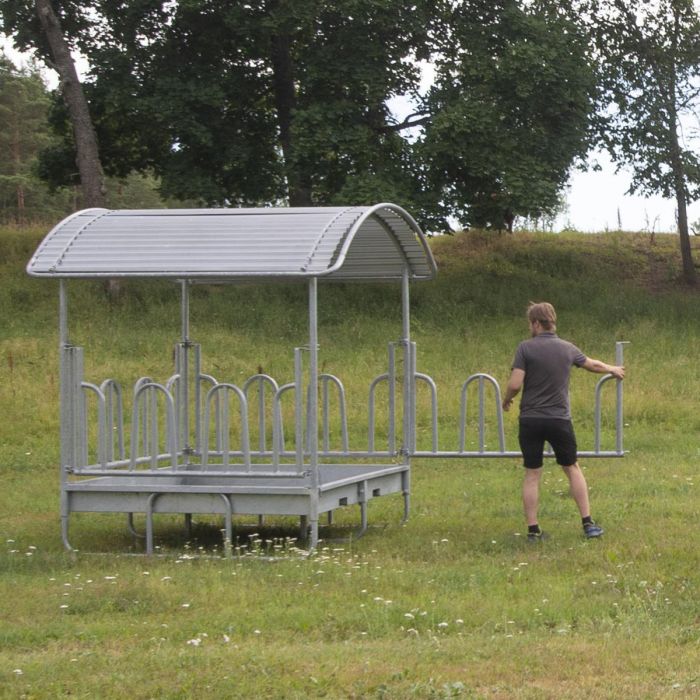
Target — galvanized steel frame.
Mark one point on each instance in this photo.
(185, 469)
(187, 476)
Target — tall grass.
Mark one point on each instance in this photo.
(454, 603)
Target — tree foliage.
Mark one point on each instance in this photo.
(24, 133)
(512, 105)
(650, 55)
(233, 102)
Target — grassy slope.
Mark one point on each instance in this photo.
(455, 602)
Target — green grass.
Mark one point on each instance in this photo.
(452, 604)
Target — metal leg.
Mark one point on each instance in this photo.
(261, 520)
(64, 533)
(65, 515)
(188, 525)
(330, 517)
(363, 520)
(149, 522)
(362, 500)
(131, 527)
(228, 527)
(406, 490)
(303, 527)
(313, 534)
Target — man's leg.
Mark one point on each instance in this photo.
(531, 494)
(578, 488)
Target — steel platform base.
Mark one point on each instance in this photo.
(234, 493)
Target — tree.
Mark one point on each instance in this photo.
(87, 153)
(42, 32)
(237, 103)
(24, 104)
(650, 54)
(512, 103)
(243, 103)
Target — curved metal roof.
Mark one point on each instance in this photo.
(347, 243)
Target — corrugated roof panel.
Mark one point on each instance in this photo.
(376, 242)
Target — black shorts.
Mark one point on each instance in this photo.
(558, 432)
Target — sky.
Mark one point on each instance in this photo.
(595, 198)
(595, 201)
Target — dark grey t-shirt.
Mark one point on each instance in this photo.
(546, 360)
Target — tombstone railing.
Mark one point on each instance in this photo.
(159, 436)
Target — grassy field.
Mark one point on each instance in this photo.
(455, 603)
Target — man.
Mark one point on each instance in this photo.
(541, 368)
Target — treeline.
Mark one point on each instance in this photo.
(231, 102)
(27, 138)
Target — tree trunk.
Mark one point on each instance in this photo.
(92, 181)
(16, 147)
(87, 158)
(298, 186)
(689, 273)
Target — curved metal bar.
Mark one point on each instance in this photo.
(324, 381)
(113, 393)
(175, 386)
(243, 412)
(172, 380)
(203, 427)
(277, 425)
(598, 411)
(171, 427)
(482, 379)
(145, 447)
(141, 381)
(390, 378)
(261, 380)
(101, 422)
(371, 411)
(434, 409)
(132, 529)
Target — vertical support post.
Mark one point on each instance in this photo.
(619, 424)
(62, 314)
(197, 400)
(482, 416)
(312, 418)
(298, 410)
(409, 384)
(185, 371)
(65, 406)
(392, 398)
(414, 376)
(409, 444)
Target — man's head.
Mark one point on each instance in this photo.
(542, 317)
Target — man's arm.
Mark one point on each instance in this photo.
(598, 367)
(515, 384)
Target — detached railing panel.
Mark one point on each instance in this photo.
(240, 430)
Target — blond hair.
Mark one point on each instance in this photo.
(544, 313)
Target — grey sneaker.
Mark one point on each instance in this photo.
(591, 530)
(537, 536)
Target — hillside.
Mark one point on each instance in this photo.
(454, 602)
